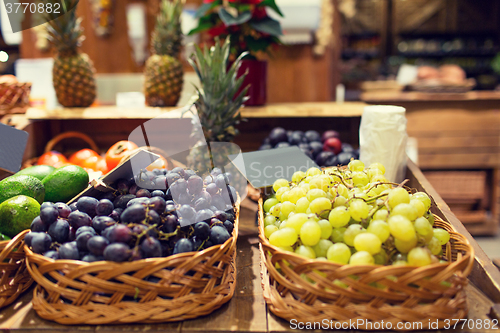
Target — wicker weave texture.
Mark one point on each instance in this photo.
(311, 291)
(15, 278)
(154, 290)
(14, 95)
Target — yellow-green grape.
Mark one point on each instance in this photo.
(359, 210)
(322, 247)
(351, 232)
(313, 171)
(310, 233)
(283, 237)
(380, 179)
(326, 228)
(304, 185)
(282, 217)
(279, 183)
(285, 196)
(286, 208)
(307, 179)
(381, 214)
(399, 263)
(330, 197)
(302, 205)
(269, 220)
(313, 217)
(356, 165)
(341, 190)
(430, 217)
(296, 193)
(358, 193)
(322, 182)
(397, 196)
(405, 246)
(320, 205)
(361, 258)
(381, 258)
(338, 235)
(269, 203)
(419, 206)
(276, 210)
(419, 256)
(298, 176)
(406, 210)
(377, 166)
(442, 235)
(359, 179)
(296, 221)
(434, 246)
(339, 201)
(315, 193)
(339, 253)
(339, 217)
(424, 198)
(367, 242)
(286, 248)
(401, 228)
(279, 193)
(372, 172)
(283, 224)
(380, 229)
(268, 230)
(305, 251)
(321, 258)
(424, 228)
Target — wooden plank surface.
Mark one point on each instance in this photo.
(399, 96)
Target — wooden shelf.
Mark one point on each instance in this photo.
(392, 96)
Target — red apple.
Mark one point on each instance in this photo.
(333, 144)
(329, 134)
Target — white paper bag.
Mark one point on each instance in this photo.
(382, 139)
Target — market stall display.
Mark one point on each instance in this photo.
(14, 95)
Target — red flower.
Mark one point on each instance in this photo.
(208, 1)
(217, 30)
(247, 2)
(259, 13)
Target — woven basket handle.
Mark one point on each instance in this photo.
(67, 135)
(13, 243)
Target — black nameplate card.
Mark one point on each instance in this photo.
(12, 145)
(261, 168)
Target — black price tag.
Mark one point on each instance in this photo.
(12, 145)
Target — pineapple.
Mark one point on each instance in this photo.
(163, 71)
(73, 72)
(218, 106)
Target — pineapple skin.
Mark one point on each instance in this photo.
(163, 79)
(74, 81)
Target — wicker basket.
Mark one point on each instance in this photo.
(15, 278)
(410, 295)
(154, 290)
(13, 95)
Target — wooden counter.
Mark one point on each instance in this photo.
(247, 311)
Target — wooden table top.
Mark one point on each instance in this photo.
(247, 311)
(415, 96)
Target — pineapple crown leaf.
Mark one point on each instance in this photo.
(167, 36)
(65, 31)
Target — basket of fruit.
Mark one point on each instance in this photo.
(346, 246)
(13, 94)
(155, 248)
(15, 278)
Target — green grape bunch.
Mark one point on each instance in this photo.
(353, 216)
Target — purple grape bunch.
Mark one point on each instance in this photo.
(155, 214)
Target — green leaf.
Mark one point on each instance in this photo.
(272, 4)
(204, 23)
(203, 9)
(267, 26)
(256, 45)
(229, 19)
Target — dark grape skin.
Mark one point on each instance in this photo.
(69, 251)
(49, 215)
(184, 199)
(135, 213)
(64, 210)
(180, 171)
(195, 185)
(212, 189)
(115, 215)
(51, 254)
(120, 234)
(85, 229)
(140, 228)
(160, 183)
(215, 221)
(29, 237)
(141, 200)
(109, 195)
(122, 185)
(215, 172)
(73, 207)
(133, 189)
(72, 234)
(201, 203)
(81, 241)
(158, 193)
(104, 207)
(158, 204)
(136, 254)
(122, 201)
(203, 215)
(171, 223)
(47, 204)
(37, 225)
(220, 181)
(183, 245)
(218, 234)
(59, 231)
(221, 215)
(143, 193)
(40, 242)
(172, 177)
(99, 223)
(97, 244)
(201, 230)
(92, 258)
(151, 247)
(229, 226)
(153, 218)
(187, 212)
(117, 252)
(87, 205)
(79, 219)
